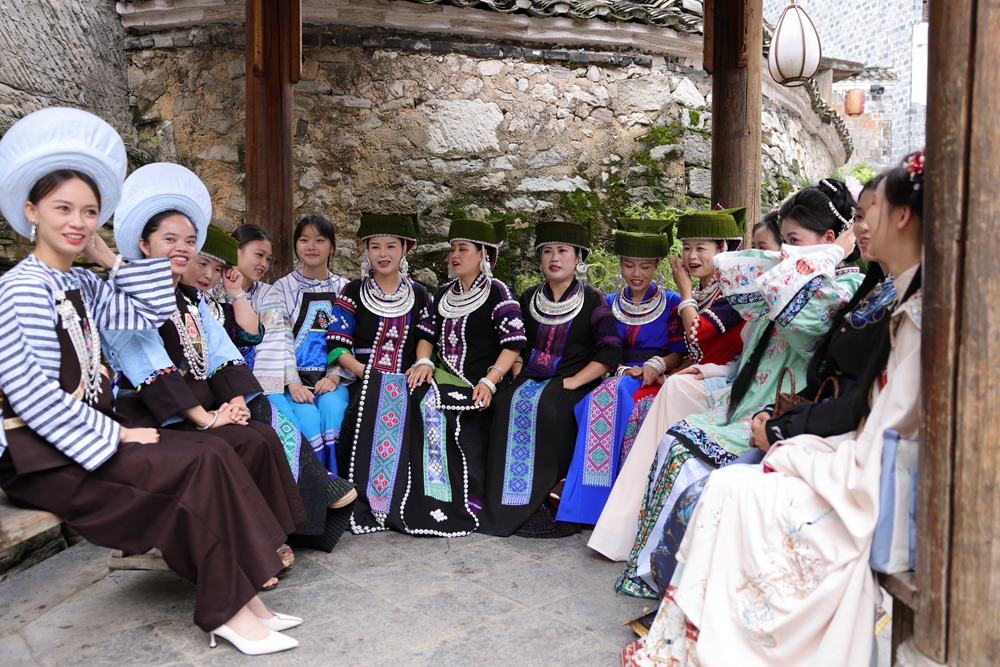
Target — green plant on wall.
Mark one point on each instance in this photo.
(860, 171)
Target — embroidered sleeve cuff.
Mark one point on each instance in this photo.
(799, 266)
(152, 377)
(737, 272)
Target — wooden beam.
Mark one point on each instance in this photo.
(737, 35)
(945, 211)
(974, 572)
(269, 124)
(708, 59)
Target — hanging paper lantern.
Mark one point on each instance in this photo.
(795, 49)
(854, 102)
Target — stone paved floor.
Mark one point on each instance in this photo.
(375, 600)
(384, 599)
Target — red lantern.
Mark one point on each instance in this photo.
(854, 102)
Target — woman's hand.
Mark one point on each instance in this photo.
(327, 384)
(300, 394)
(846, 240)
(232, 281)
(633, 371)
(682, 277)
(238, 412)
(650, 376)
(571, 383)
(100, 253)
(481, 394)
(692, 370)
(143, 436)
(758, 428)
(417, 375)
(516, 369)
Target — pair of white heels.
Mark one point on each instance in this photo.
(275, 642)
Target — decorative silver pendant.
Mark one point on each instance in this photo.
(456, 303)
(86, 344)
(636, 314)
(195, 351)
(377, 301)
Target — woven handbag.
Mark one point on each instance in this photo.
(783, 401)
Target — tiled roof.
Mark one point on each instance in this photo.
(680, 15)
(875, 74)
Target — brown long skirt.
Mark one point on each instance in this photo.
(188, 495)
(260, 450)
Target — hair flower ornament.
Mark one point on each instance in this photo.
(915, 166)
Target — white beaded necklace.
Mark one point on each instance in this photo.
(377, 301)
(553, 313)
(86, 344)
(196, 352)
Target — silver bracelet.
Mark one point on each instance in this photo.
(113, 271)
(499, 370)
(685, 303)
(657, 364)
(621, 371)
(215, 418)
(423, 361)
(489, 385)
(241, 295)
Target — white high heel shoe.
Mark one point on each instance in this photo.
(273, 643)
(280, 622)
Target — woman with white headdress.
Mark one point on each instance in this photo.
(62, 447)
(188, 375)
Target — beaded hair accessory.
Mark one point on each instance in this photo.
(915, 167)
(833, 209)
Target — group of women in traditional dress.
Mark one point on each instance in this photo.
(283, 414)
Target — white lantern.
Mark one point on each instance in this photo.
(795, 49)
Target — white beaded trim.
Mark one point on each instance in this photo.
(465, 488)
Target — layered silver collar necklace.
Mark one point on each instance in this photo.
(397, 304)
(457, 303)
(636, 314)
(704, 294)
(553, 313)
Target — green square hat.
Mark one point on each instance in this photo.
(486, 233)
(558, 232)
(220, 246)
(402, 226)
(728, 224)
(643, 239)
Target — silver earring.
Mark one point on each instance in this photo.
(485, 268)
(580, 270)
(366, 264)
(93, 240)
(34, 232)
(404, 267)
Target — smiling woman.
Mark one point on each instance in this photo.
(62, 447)
(572, 342)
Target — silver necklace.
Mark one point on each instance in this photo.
(397, 304)
(192, 341)
(703, 294)
(457, 303)
(87, 345)
(553, 313)
(637, 314)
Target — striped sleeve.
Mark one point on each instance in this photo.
(140, 297)
(87, 436)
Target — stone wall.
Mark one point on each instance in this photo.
(389, 123)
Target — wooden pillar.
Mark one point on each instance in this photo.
(945, 213)
(733, 56)
(273, 53)
(972, 141)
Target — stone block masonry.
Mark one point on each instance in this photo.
(387, 122)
